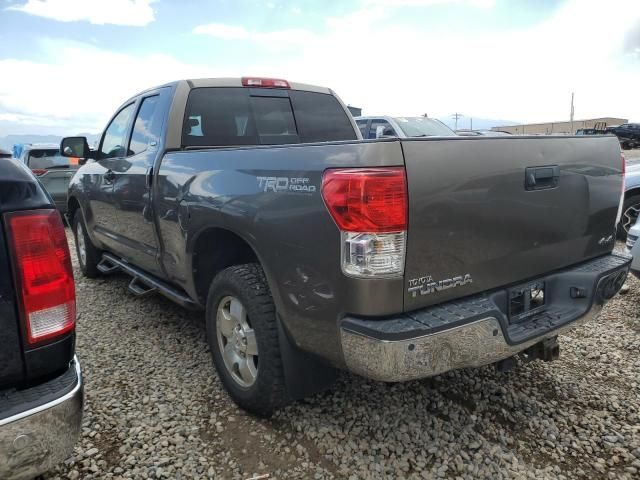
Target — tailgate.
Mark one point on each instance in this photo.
(11, 364)
(477, 221)
(56, 182)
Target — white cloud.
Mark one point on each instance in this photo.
(220, 30)
(524, 75)
(290, 38)
(100, 12)
(429, 3)
(75, 100)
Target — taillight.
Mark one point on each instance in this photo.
(621, 204)
(369, 206)
(44, 277)
(265, 82)
(38, 171)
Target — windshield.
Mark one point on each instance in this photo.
(423, 127)
(43, 159)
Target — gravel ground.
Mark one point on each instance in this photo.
(154, 408)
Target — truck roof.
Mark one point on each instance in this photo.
(231, 82)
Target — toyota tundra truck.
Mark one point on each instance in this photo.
(311, 250)
(41, 386)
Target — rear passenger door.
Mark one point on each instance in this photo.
(135, 228)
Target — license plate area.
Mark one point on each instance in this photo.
(526, 300)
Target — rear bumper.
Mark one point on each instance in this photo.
(40, 426)
(476, 331)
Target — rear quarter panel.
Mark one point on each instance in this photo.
(291, 231)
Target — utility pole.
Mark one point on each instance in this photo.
(471, 124)
(571, 116)
(457, 116)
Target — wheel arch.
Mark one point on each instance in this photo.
(632, 192)
(73, 205)
(216, 248)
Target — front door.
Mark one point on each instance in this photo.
(132, 185)
(100, 176)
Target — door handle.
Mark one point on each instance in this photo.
(541, 178)
(109, 176)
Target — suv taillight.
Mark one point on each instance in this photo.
(44, 277)
(369, 205)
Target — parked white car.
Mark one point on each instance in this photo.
(633, 247)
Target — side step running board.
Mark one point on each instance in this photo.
(144, 283)
(106, 267)
(139, 288)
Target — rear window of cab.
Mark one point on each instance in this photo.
(230, 116)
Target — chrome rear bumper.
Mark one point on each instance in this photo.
(476, 331)
(33, 441)
(472, 345)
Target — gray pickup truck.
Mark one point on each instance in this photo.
(312, 250)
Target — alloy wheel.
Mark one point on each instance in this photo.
(237, 341)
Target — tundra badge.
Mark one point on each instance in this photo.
(425, 285)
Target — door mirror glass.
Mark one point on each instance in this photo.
(74, 147)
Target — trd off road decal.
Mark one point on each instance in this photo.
(285, 184)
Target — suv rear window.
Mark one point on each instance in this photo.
(226, 116)
(43, 159)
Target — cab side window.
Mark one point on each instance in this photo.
(388, 129)
(143, 131)
(113, 141)
(362, 125)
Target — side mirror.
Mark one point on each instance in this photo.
(75, 147)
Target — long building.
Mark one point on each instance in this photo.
(558, 127)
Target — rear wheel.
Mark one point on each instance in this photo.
(88, 255)
(243, 338)
(630, 210)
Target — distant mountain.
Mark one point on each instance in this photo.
(7, 142)
(478, 123)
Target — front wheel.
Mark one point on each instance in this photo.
(243, 339)
(88, 255)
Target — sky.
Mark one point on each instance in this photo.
(66, 65)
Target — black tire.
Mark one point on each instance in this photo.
(88, 266)
(626, 146)
(628, 216)
(247, 283)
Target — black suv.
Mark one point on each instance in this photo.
(41, 393)
(628, 134)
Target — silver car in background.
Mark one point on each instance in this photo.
(52, 169)
(402, 127)
(633, 247)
